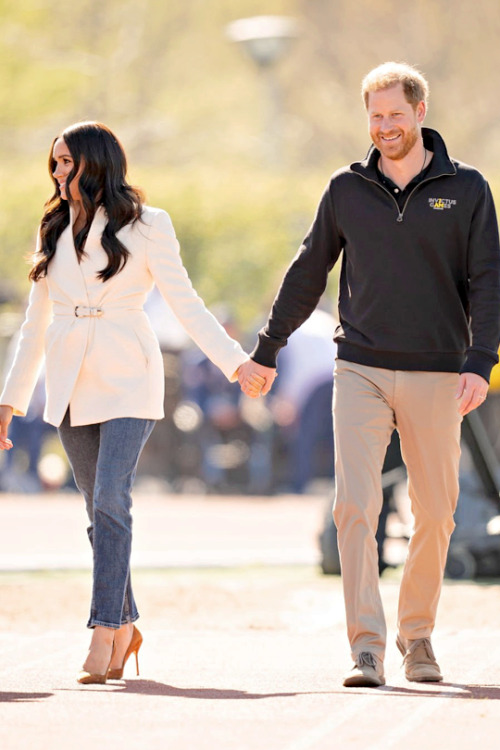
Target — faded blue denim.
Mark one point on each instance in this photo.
(104, 459)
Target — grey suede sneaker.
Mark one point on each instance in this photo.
(419, 660)
(368, 671)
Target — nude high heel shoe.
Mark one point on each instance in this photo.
(133, 648)
(93, 678)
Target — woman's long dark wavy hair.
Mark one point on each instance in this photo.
(102, 183)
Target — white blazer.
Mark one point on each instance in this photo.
(109, 365)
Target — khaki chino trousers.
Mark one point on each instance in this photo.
(369, 402)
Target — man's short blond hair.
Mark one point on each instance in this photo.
(389, 74)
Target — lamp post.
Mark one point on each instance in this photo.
(266, 39)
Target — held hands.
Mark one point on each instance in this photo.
(255, 380)
(5, 420)
(471, 392)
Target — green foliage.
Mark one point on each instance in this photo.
(199, 121)
(237, 232)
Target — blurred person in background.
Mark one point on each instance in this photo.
(28, 434)
(490, 412)
(302, 402)
(99, 252)
(235, 444)
(419, 311)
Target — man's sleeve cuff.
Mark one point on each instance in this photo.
(265, 352)
(481, 363)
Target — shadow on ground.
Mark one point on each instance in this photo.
(23, 697)
(455, 690)
(150, 687)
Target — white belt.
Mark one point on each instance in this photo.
(88, 312)
(95, 311)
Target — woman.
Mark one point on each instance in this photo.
(100, 251)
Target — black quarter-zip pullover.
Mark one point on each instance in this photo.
(419, 283)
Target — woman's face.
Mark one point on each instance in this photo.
(63, 165)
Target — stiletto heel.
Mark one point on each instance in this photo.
(133, 648)
(92, 678)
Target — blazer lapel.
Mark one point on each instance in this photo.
(69, 276)
(95, 258)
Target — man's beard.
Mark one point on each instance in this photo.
(406, 144)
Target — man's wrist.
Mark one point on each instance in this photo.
(264, 353)
(478, 363)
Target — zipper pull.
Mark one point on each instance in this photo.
(400, 218)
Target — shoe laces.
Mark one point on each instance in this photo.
(425, 644)
(366, 659)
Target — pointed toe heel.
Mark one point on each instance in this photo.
(92, 678)
(133, 648)
(88, 678)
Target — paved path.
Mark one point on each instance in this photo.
(48, 531)
(241, 657)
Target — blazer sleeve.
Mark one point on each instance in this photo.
(30, 350)
(171, 278)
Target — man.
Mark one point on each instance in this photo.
(419, 308)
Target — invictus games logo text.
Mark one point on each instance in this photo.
(439, 204)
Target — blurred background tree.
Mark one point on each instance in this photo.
(190, 108)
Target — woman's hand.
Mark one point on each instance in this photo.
(5, 420)
(255, 380)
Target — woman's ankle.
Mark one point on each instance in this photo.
(103, 635)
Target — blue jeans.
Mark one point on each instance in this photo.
(104, 459)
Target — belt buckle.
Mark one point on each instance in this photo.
(92, 312)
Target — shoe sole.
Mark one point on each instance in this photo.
(363, 682)
(424, 678)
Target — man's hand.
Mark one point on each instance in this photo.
(5, 420)
(255, 379)
(471, 392)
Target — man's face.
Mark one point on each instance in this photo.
(393, 123)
